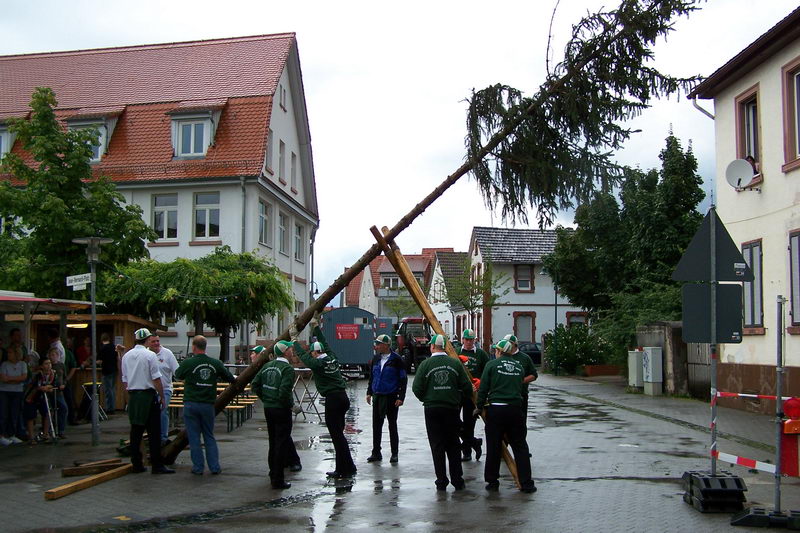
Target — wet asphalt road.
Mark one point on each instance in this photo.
(597, 467)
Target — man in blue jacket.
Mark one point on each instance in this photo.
(386, 393)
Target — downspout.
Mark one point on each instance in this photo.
(244, 332)
(703, 111)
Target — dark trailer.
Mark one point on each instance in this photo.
(350, 332)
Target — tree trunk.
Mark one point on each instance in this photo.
(224, 344)
(198, 319)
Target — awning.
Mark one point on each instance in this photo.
(16, 304)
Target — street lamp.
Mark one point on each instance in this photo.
(93, 255)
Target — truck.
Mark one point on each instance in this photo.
(412, 338)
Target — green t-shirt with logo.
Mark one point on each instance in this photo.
(501, 382)
(441, 382)
(327, 370)
(476, 362)
(200, 374)
(528, 366)
(274, 383)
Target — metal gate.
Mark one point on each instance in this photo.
(699, 359)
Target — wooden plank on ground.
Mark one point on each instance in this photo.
(88, 470)
(85, 483)
(101, 462)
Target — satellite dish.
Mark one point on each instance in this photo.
(739, 173)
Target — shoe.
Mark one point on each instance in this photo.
(476, 445)
(393, 458)
(459, 485)
(334, 474)
(15, 440)
(62, 436)
(493, 486)
(466, 456)
(197, 473)
(295, 468)
(216, 472)
(441, 488)
(138, 469)
(281, 485)
(528, 488)
(162, 470)
(374, 458)
(4, 441)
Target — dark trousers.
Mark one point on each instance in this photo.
(467, 426)
(442, 424)
(383, 407)
(506, 420)
(279, 428)
(153, 427)
(336, 406)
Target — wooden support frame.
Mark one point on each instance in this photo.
(395, 257)
(85, 483)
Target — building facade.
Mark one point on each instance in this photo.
(756, 98)
(210, 138)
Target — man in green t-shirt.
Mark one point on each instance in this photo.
(476, 360)
(200, 374)
(331, 386)
(501, 393)
(273, 384)
(441, 384)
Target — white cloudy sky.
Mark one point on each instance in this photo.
(385, 85)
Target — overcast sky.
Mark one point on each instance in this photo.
(385, 85)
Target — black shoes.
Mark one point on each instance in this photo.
(339, 475)
(528, 488)
(295, 468)
(281, 485)
(476, 445)
(393, 458)
(138, 469)
(459, 485)
(374, 458)
(466, 455)
(493, 486)
(162, 470)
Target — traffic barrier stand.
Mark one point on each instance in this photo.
(786, 447)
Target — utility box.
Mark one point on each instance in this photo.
(635, 369)
(652, 373)
(350, 333)
(384, 326)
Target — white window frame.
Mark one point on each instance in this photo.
(179, 136)
(6, 141)
(796, 117)
(283, 233)
(165, 211)
(390, 282)
(293, 171)
(299, 243)
(517, 279)
(282, 161)
(753, 290)
(299, 307)
(750, 110)
(270, 151)
(265, 232)
(209, 209)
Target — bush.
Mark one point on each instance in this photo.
(572, 347)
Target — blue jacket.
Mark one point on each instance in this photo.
(391, 379)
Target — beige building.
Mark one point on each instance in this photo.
(756, 99)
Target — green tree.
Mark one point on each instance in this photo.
(618, 261)
(222, 289)
(55, 198)
(400, 304)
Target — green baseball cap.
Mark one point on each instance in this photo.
(281, 347)
(142, 334)
(468, 334)
(510, 338)
(317, 347)
(504, 346)
(383, 339)
(438, 340)
(257, 349)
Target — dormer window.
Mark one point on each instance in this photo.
(194, 125)
(192, 136)
(6, 140)
(99, 147)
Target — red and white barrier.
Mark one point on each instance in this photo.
(744, 461)
(740, 395)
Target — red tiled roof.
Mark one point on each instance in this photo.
(352, 293)
(140, 148)
(197, 70)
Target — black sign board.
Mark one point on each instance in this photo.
(697, 310)
(695, 264)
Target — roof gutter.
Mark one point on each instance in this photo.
(703, 111)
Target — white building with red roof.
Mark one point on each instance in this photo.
(210, 138)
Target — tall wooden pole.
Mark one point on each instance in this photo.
(395, 257)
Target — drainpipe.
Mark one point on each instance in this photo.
(703, 111)
(244, 332)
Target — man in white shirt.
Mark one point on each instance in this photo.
(141, 376)
(167, 364)
(55, 342)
